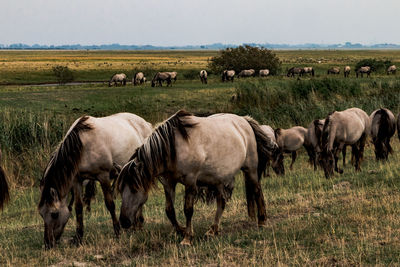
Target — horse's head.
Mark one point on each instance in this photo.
(277, 162)
(133, 195)
(326, 160)
(153, 83)
(55, 214)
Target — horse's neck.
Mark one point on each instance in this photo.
(331, 135)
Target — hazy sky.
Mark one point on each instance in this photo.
(182, 22)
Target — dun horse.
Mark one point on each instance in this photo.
(199, 152)
(228, 75)
(117, 78)
(247, 73)
(278, 156)
(346, 71)
(203, 76)
(398, 125)
(307, 70)
(362, 70)
(174, 75)
(383, 127)
(264, 73)
(391, 70)
(291, 140)
(92, 149)
(4, 191)
(293, 71)
(334, 70)
(341, 128)
(160, 77)
(138, 78)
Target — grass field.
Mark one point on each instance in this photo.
(351, 219)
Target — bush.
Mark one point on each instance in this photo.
(190, 74)
(376, 65)
(245, 57)
(63, 74)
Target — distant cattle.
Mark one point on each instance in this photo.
(334, 70)
(346, 71)
(362, 70)
(203, 76)
(264, 73)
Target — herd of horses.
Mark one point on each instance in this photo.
(202, 153)
(229, 75)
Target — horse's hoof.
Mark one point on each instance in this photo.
(340, 171)
(117, 230)
(262, 224)
(186, 242)
(211, 233)
(76, 241)
(181, 231)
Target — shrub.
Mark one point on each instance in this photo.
(245, 57)
(63, 74)
(190, 74)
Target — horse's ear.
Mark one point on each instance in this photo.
(53, 194)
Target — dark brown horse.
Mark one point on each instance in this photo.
(4, 191)
(383, 127)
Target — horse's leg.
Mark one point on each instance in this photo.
(294, 155)
(104, 179)
(90, 192)
(71, 202)
(190, 193)
(344, 155)
(336, 154)
(79, 213)
(360, 154)
(220, 209)
(169, 189)
(254, 185)
(251, 202)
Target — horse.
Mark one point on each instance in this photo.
(290, 140)
(398, 125)
(334, 70)
(247, 73)
(160, 77)
(307, 70)
(203, 76)
(278, 157)
(138, 78)
(174, 75)
(4, 190)
(311, 141)
(264, 73)
(348, 127)
(204, 154)
(228, 75)
(383, 127)
(346, 71)
(391, 70)
(117, 78)
(294, 70)
(362, 70)
(92, 149)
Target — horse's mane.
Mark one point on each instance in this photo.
(155, 154)
(326, 131)
(64, 162)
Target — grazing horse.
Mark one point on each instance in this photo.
(278, 157)
(138, 78)
(346, 71)
(383, 127)
(118, 78)
(203, 76)
(228, 75)
(348, 127)
(160, 77)
(362, 70)
(264, 73)
(174, 75)
(204, 154)
(334, 70)
(4, 191)
(290, 140)
(307, 70)
(247, 73)
(391, 70)
(398, 125)
(92, 149)
(294, 70)
(311, 141)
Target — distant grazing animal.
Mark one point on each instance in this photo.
(334, 70)
(362, 70)
(204, 154)
(4, 191)
(203, 76)
(92, 149)
(228, 75)
(264, 73)
(174, 75)
(383, 127)
(294, 70)
(348, 127)
(160, 77)
(307, 70)
(391, 70)
(118, 78)
(290, 140)
(278, 157)
(138, 78)
(346, 71)
(247, 73)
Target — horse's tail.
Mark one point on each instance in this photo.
(4, 193)
(386, 128)
(90, 192)
(265, 146)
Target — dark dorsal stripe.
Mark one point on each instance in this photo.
(64, 162)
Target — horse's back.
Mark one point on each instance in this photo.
(292, 138)
(375, 119)
(268, 131)
(351, 124)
